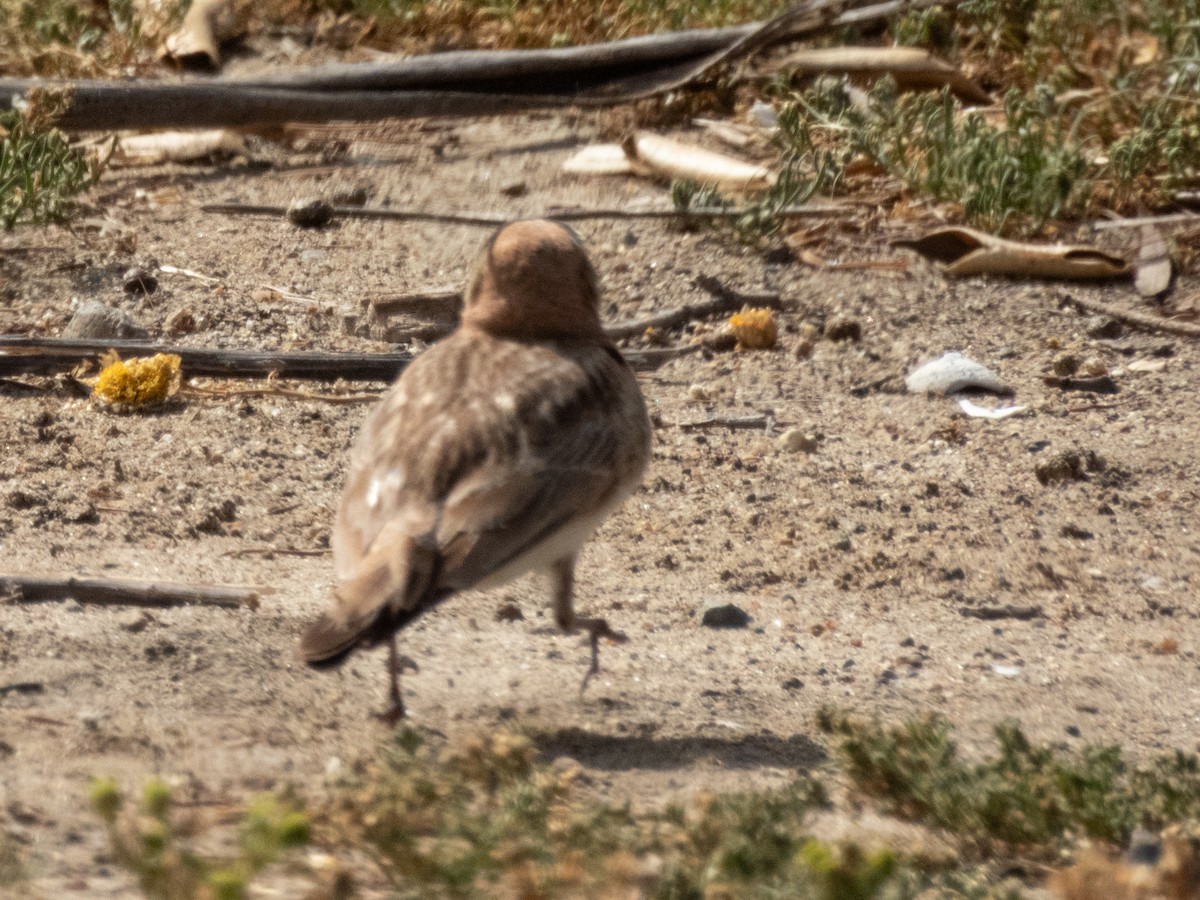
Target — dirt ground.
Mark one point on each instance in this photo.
(912, 563)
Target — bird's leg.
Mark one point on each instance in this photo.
(563, 573)
(396, 664)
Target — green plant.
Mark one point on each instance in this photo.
(153, 843)
(1026, 795)
(40, 172)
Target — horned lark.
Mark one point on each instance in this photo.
(498, 451)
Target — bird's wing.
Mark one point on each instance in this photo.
(443, 496)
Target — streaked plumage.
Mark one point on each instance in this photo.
(498, 451)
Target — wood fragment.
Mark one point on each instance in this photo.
(1134, 318)
(102, 592)
(22, 687)
(1005, 611)
(47, 356)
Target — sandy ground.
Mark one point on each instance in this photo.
(884, 572)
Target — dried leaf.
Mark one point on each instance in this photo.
(178, 146)
(675, 159)
(965, 251)
(599, 159)
(207, 25)
(911, 67)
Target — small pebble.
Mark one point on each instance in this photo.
(514, 189)
(139, 281)
(697, 393)
(310, 212)
(724, 615)
(795, 440)
(96, 322)
(1065, 365)
(842, 327)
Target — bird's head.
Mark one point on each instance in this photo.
(534, 280)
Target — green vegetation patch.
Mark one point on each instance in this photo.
(1026, 796)
(40, 172)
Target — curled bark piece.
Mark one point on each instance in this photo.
(965, 251)
(600, 159)
(911, 67)
(178, 146)
(207, 25)
(674, 159)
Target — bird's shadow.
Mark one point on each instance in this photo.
(613, 752)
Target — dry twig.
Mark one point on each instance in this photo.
(102, 592)
(495, 219)
(1134, 318)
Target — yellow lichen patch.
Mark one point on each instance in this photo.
(139, 382)
(754, 329)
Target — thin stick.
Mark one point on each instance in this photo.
(126, 593)
(1173, 218)
(271, 551)
(220, 393)
(47, 356)
(1137, 319)
(755, 421)
(494, 219)
(724, 300)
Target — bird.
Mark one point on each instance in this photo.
(498, 451)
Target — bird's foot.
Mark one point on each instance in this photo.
(394, 714)
(598, 628)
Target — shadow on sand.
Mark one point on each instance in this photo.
(624, 752)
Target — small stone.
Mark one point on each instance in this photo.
(514, 189)
(793, 684)
(1066, 365)
(724, 615)
(97, 322)
(139, 281)
(90, 719)
(1073, 731)
(697, 393)
(1104, 328)
(135, 621)
(842, 327)
(310, 212)
(72, 605)
(1093, 367)
(795, 440)
(509, 612)
(1069, 465)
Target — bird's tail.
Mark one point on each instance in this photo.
(387, 589)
